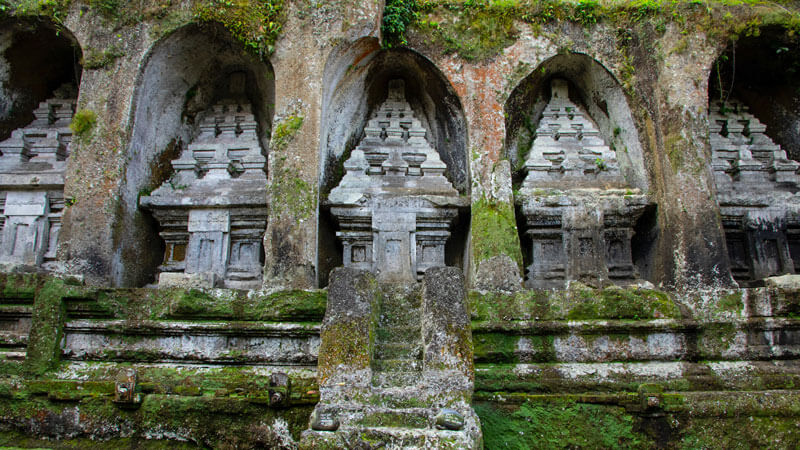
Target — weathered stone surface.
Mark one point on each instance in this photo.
(347, 332)
(498, 273)
(447, 335)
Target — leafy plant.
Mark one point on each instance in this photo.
(82, 122)
(601, 164)
(397, 16)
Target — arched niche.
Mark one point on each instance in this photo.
(556, 239)
(754, 118)
(38, 59)
(592, 87)
(182, 76)
(357, 78)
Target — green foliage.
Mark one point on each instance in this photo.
(601, 164)
(256, 24)
(107, 8)
(82, 122)
(557, 424)
(56, 9)
(397, 16)
(586, 12)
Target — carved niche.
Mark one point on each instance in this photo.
(394, 205)
(212, 213)
(32, 168)
(579, 212)
(756, 189)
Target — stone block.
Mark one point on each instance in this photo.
(348, 330)
(180, 280)
(446, 330)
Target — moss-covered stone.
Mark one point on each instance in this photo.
(345, 344)
(494, 231)
(47, 323)
(577, 303)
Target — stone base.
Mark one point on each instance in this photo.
(394, 430)
(188, 280)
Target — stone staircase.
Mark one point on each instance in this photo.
(397, 358)
(396, 401)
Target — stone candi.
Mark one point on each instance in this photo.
(394, 204)
(579, 212)
(32, 169)
(213, 212)
(756, 190)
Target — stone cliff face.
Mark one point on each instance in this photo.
(609, 189)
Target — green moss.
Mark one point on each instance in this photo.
(284, 131)
(557, 424)
(578, 303)
(56, 9)
(715, 339)
(745, 432)
(257, 25)
(46, 327)
(494, 231)
(480, 29)
(495, 347)
(346, 343)
(82, 123)
(618, 303)
(290, 195)
(99, 59)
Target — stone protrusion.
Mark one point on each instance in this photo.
(32, 169)
(579, 214)
(394, 205)
(213, 212)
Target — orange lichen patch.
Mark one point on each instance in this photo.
(484, 110)
(370, 47)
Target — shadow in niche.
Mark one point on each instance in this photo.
(353, 96)
(184, 75)
(41, 59)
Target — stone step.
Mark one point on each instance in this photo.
(397, 365)
(396, 418)
(10, 338)
(399, 335)
(390, 438)
(396, 379)
(395, 350)
(405, 320)
(14, 355)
